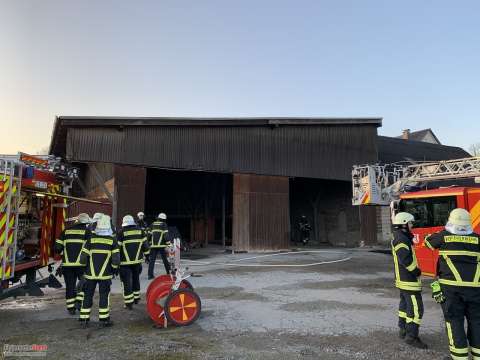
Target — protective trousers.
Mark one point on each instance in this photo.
(462, 302)
(71, 274)
(153, 257)
(104, 301)
(130, 277)
(410, 312)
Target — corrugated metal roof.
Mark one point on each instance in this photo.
(319, 152)
(62, 123)
(316, 148)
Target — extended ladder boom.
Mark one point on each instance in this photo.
(380, 184)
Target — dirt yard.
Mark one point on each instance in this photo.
(338, 310)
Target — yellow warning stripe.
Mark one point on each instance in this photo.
(2, 223)
(3, 220)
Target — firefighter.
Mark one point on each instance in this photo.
(160, 239)
(141, 221)
(142, 224)
(407, 280)
(132, 241)
(70, 244)
(94, 220)
(305, 228)
(458, 287)
(102, 257)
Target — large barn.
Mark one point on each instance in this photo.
(240, 182)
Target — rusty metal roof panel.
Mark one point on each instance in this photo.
(314, 150)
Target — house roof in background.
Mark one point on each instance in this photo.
(420, 134)
(391, 150)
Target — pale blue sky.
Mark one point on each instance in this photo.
(414, 63)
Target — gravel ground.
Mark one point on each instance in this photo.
(340, 310)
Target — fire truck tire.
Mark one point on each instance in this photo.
(182, 307)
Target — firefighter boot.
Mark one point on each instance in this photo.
(72, 311)
(106, 322)
(136, 301)
(129, 306)
(402, 333)
(415, 342)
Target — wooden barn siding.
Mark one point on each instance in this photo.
(322, 151)
(260, 213)
(129, 191)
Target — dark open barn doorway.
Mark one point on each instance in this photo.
(328, 208)
(199, 204)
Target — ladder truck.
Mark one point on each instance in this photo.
(33, 210)
(392, 184)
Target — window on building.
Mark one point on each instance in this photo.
(429, 212)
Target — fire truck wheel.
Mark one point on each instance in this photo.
(182, 307)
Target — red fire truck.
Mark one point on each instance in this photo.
(33, 203)
(389, 185)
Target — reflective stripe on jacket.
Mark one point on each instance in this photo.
(405, 261)
(160, 237)
(133, 245)
(70, 244)
(458, 261)
(101, 255)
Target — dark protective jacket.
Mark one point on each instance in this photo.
(101, 255)
(160, 235)
(132, 241)
(142, 224)
(458, 258)
(70, 244)
(407, 273)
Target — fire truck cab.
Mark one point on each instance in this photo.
(431, 209)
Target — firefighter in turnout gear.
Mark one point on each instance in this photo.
(142, 224)
(93, 222)
(70, 244)
(160, 239)
(133, 245)
(407, 280)
(102, 257)
(458, 272)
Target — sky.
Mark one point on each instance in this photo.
(414, 63)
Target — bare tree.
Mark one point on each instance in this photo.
(474, 149)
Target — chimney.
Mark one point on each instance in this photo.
(406, 134)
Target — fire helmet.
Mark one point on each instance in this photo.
(403, 218)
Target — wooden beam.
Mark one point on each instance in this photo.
(100, 181)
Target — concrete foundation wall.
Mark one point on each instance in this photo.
(384, 225)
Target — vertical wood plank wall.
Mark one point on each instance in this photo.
(129, 191)
(260, 212)
(368, 224)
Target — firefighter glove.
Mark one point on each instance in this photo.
(437, 293)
